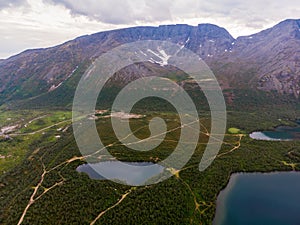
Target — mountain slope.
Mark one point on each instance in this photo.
(34, 72)
(268, 60)
(272, 55)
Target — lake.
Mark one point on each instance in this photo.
(137, 173)
(260, 199)
(281, 133)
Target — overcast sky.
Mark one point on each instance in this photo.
(42, 23)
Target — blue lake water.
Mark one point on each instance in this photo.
(281, 133)
(136, 174)
(260, 199)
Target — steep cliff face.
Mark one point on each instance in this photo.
(269, 60)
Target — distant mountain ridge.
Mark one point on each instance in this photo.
(268, 60)
(274, 54)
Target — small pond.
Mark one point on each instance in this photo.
(281, 133)
(137, 173)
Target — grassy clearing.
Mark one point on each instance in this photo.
(8, 117)
(233, 130)
(46, 120)
(14, 150)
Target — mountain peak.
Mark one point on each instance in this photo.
(270, 58)
(287, 28)
(290, 22)
(214, 30)
(288, 25)
(210, 26)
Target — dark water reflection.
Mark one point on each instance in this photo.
(260, 199)
(136, 175)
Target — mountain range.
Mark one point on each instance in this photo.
(267, 61)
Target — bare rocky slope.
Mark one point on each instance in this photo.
(268, 60)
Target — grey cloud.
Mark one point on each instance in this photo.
(252, 14)
(12, 3)
(160, 10)
(119, 11)
(113, 11)
(255, 14)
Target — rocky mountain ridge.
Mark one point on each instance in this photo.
(268, 60)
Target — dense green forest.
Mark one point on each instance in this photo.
(39, 180)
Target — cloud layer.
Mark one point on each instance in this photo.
(119, 11)
(11, 3)
(253, 14)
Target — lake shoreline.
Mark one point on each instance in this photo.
(279, 133)
(224, 194)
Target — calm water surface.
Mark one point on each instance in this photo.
(281, 133)
(137, 174)
(260, 199)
